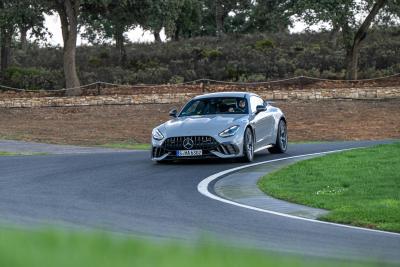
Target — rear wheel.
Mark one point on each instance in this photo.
(281, 139)
(248, 146)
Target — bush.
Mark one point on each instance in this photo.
(258, 77)
(211, 53)
(32, 78)
(264, 44)
(176, 79)
(95, 62)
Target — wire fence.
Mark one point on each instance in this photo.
(98, 86)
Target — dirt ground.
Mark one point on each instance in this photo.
(307, 121)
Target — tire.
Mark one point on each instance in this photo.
(281, 142)
(248, 146)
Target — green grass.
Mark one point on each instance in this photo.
(54, 248)
(127, 145)
(360, 187)
(5, 153)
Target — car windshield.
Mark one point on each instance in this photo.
(215, 105)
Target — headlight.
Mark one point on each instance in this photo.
(231, 131)
(157, 135)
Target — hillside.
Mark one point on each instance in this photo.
(244, 58)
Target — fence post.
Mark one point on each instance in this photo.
(98, 88)
(301, 82)
(203, 85)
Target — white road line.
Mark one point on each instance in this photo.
(202, 187)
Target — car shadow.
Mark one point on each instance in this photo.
(260, 156)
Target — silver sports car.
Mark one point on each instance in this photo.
(221, 125)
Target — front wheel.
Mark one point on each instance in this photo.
(248, 146)
(281, 139)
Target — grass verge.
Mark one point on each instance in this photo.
(127, 145)
(6, 153)
(360, 187)
(55, 248)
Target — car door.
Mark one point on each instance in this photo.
(260, 122)
(270, 124)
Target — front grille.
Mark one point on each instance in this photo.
(199, 142)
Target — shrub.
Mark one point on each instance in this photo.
(176, 79)
(257, 77)
(32, 78)
(264, 44)
(211, 53)
(95, 62)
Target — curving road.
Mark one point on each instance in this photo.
(126, 192)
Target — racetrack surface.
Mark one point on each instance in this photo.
(127, 193)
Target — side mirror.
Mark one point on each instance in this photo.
(260, 108)
(173, 113)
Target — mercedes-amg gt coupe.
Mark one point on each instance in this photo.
(221, 125)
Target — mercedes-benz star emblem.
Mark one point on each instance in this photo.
(188, 143)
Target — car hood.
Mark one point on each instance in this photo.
(201, 125)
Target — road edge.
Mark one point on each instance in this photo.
(203, 188)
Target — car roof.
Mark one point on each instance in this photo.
(225, 94)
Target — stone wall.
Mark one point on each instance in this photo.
(179, 97)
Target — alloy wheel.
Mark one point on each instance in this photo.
(283, 135)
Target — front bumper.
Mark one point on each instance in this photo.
(212, 147)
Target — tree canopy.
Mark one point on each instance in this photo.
(23, 16)
(100, 21)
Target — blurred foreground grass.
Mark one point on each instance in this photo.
(62, 248)
(8, 154)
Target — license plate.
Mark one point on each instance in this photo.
(189, 153)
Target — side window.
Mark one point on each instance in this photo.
(193, 107)
(254, 102)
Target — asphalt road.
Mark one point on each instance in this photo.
(127, 193)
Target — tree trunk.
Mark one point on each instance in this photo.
(353, 51)
(23, 42)
(157, 37)
(120, 44)
(175, 37)
(219, 18)
(6, 38)
(334, 36)
(352, 63)
(68, 11)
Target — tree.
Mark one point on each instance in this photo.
(31, 17)
(68, 10)
(271, 15)
(353, 47)
(111, 19)
(7, 28)
(16, 14)
(390, 14)
(162, 14)
(220, 10)
(229, 9)
(342, 13)
(188, 20)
